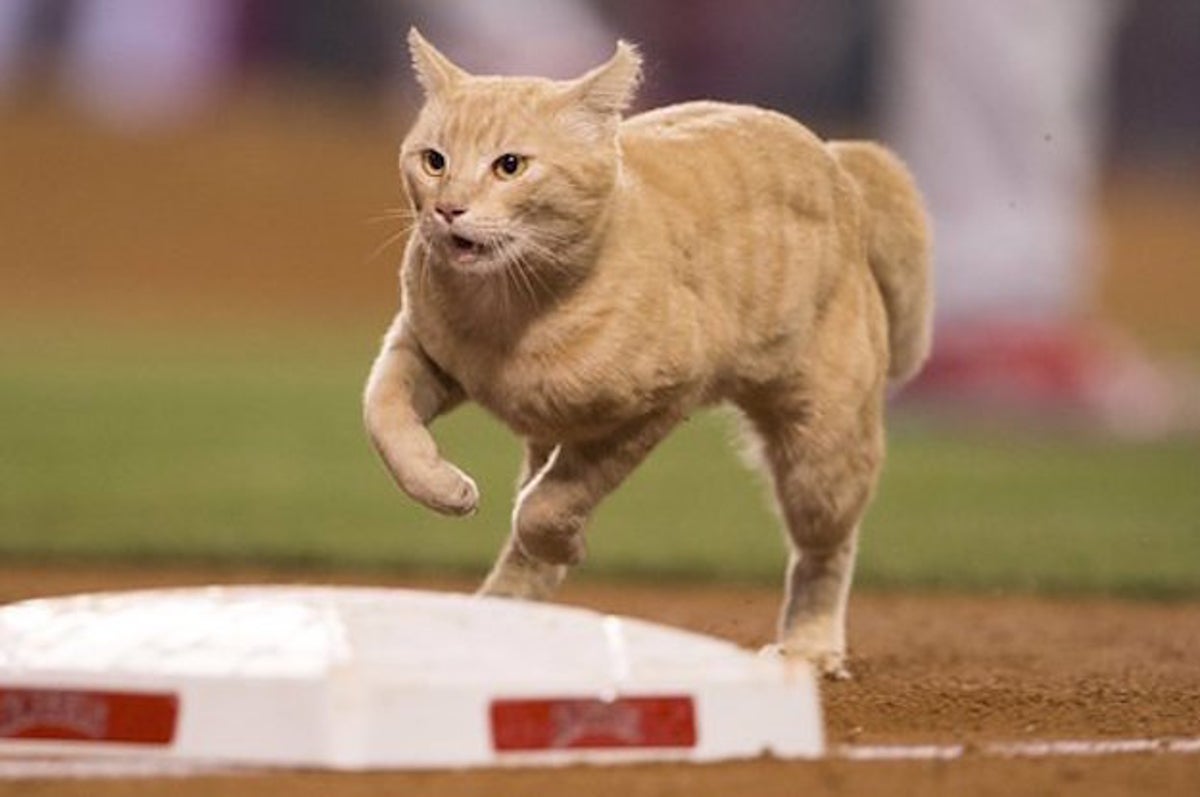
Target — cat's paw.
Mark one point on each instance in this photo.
(830, 664)
(526, 587)
(515, 575)
(448, 490)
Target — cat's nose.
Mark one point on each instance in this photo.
(449, 212)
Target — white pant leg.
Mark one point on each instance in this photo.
(550, 38)
(14, 28)
(139, 63)
(997, 106)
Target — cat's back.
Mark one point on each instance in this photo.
(738, 214)
(709, 163)
(754, 147)
(706, 121)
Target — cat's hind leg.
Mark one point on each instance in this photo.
(823, 478)
(516, 574)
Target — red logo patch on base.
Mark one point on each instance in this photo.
(583, 723)
(88, 716)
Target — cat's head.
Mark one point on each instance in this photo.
(508, 172)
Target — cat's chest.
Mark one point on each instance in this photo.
(541, 396)
(545, 390)
(570, 401)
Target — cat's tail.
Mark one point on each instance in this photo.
(898, 249)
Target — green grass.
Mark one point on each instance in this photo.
(251, 451)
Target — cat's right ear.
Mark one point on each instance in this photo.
(600, 97)
(609, 88)
(434, 71)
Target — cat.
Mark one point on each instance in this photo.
(592, 280)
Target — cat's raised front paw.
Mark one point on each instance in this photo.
(446, 489)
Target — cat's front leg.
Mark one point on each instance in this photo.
(556, 501)
(404, 392)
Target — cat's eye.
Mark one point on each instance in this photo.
(509, 166)
(433, 162)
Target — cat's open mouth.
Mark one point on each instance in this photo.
(465, 249)
(463, 244)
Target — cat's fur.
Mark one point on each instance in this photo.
(634, 272)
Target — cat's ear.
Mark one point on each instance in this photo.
(609, 89)
(434, 71)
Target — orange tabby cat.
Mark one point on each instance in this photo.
(592, 281)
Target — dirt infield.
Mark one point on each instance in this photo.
(263, 215)
(928, 669)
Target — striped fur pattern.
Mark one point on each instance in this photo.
(629, 272)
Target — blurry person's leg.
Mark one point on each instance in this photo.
(140, 64)
(15, 22)
(552, 38)
(999, 109)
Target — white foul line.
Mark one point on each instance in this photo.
(1030, 749)
(85, 768)
(13, 768)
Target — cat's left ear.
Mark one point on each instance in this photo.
(434, 71)
(609, 89)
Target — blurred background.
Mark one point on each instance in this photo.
(197, 262)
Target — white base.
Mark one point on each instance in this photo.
(352, 678)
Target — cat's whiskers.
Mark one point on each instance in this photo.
(389, 216)
(547, 256)
(534, 274)
(424, 278)
(530, 265)
(390, 241)
(516, 270)
(392, 214)
(495, 238)
(408, 221)
(540, 260)
(554, 247)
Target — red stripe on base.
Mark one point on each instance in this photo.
(581, 723)
(88, 716)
